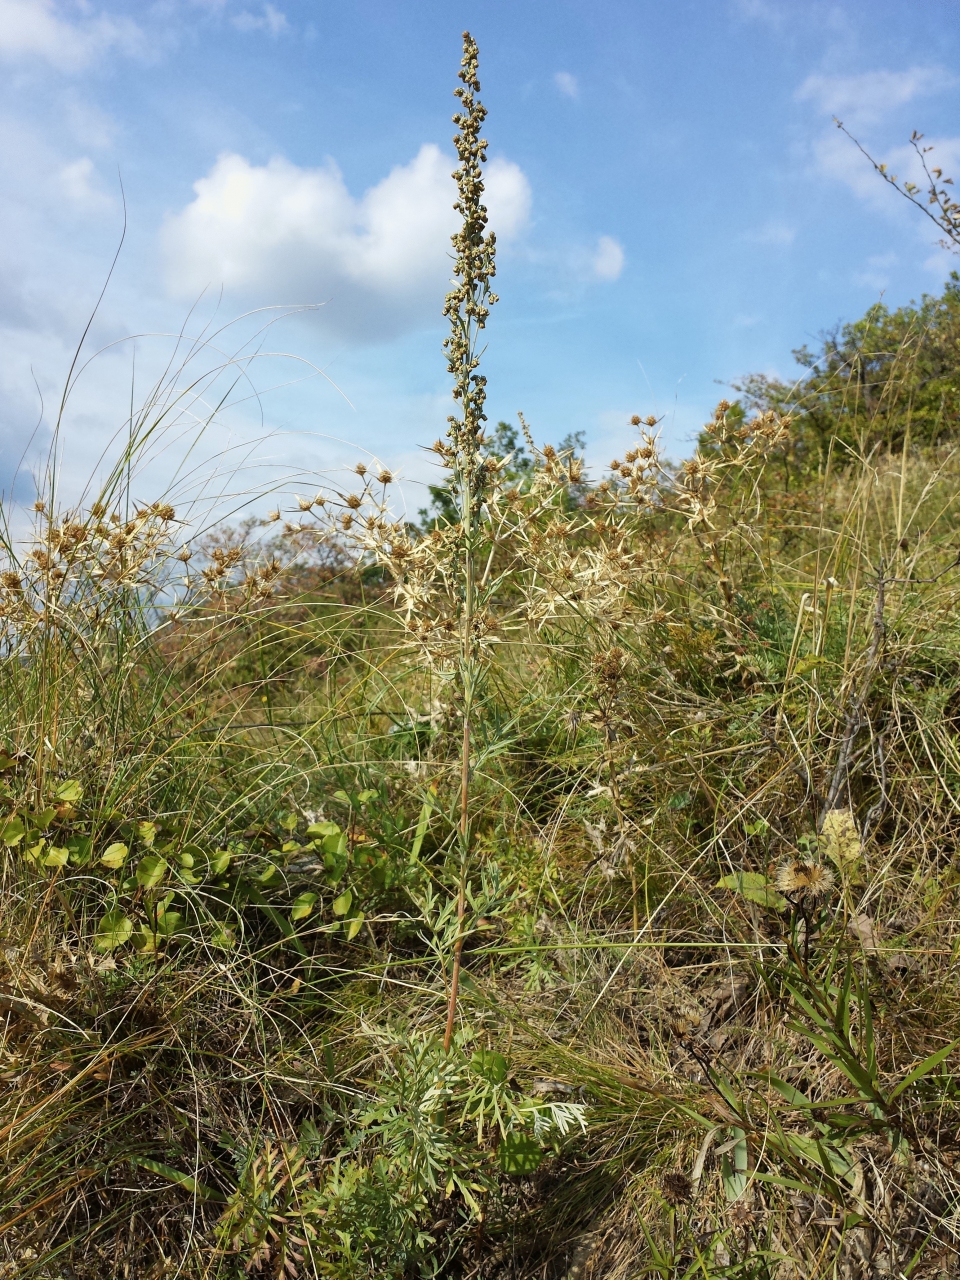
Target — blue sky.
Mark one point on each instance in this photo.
(674, 204)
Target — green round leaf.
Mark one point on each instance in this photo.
(168, 923)
(56, 858)
(490, 1064)
(12, 831)
(81, 848)
(151, 870)
(113, 931)
(323, 829)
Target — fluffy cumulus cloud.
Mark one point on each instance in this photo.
(39, 29)
(279, 233)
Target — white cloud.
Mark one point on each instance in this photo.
(608, 259)
(871, 95)
(34, 28)
(772, 233)
(78, 182)
(876, 271)
(838, 158)
(764, 11)
(281, 233)
(272, 20)
(567, 84)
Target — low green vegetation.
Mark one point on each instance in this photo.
(565, 886)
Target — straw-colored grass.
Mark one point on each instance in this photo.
(566, 890)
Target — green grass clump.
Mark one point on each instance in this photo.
(565, 887)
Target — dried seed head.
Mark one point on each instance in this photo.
(273, 516)
(809, 878)
(742, 1215)
(385, 477)
(609, 666)
(354, 501)
(304, 503)
(98, 511)
(164, 511)
(676, 1187)
(40, 506)
(11, 581)
(360, 469)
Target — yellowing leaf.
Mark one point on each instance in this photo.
(323, 829)
(70, 792)
(56, 858)
(302, 906)
(114, 856)
(353, 926)
(841, 839)
(341, 905)
(147, 832)
(34, 851)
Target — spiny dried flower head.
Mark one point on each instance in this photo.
(11, 581)
(742, 1215)
(360, 469)
(610, 666)
(812, 879)
(676, 1188)
(385, 476)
